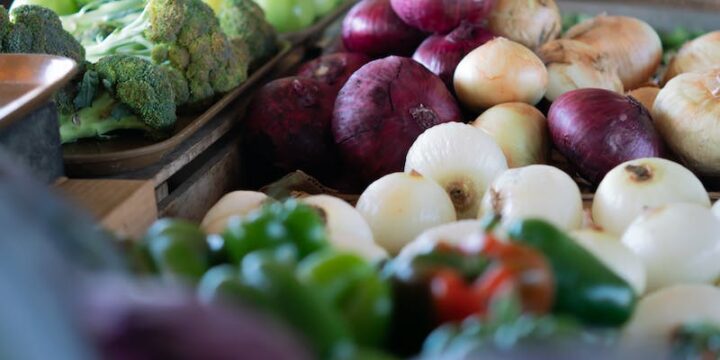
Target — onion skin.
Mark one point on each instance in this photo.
(687, 114)
(632, 44)
(382, 109)
(633, 186)
(334, 69)
(716, 209)
(699, 55)
(575, 65)
(440, 16)
(441, 54)
(497, 72)
(528, 22)
(597, 129)
(646, 95)
(372, 28)
(521, 131)
(236, 203)
(287, 127)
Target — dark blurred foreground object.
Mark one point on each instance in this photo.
(65, 294)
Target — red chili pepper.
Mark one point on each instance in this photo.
(453, 299)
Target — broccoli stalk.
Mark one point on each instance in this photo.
(127, 39)
(97, 19)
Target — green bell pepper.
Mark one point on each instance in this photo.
(178, 249)
(288, 15)
(276, 225)
(353, 286)
(585, 287)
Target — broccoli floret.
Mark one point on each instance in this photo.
(243, 21)
(121, 92)
(38, 30)
(184, 34)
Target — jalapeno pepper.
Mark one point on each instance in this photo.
(353, 286)
(276, 225)
(177, 248)
(585, 287)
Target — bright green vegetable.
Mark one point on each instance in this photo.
(243, 21)
(276, 225)
(354, 287)
(178, 249)
(60, 7)
(323, 7)
(121, 92)
(584, 287)
(288, 15)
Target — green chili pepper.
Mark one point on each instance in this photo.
(585, 287)
(223, 283)
(276, 225)
(271, 273)
(354, 287)
(178, 249)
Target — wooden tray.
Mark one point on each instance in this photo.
(94, 158)
(315, 30)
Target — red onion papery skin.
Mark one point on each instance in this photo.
(287, 128)
(372, 28)
(333, 70)
(440, 16)
(442, 54)
(382, 109)
(597, 129)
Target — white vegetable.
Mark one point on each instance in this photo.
(236, 203)
(659, 314)
(346, 228)
(464, 160)
(614, 255)
(636, 185)
(575, 65)
(538, 191)
(452, 233)
(398, 207)
(678, 243)
(520, 130)
(529, 22)
(699, 55)
(687, 115)
(500, 71)
(716, 209)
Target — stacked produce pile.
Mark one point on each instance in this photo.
(141, 62)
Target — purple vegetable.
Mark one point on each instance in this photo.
(598, 129)
(440, 15)
(442, 54)
(334, 69)
(372, 27)
(383, 108)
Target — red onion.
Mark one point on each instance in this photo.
(440, 15)
(287, 127)
(333, 69)
(372, 27)
(383, 108)
(599, 129)
(441, 54)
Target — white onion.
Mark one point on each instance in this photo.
(500, 71)
(528, 22)
(631, 44)
(678, 243)
(636, 185)
(453, 233)
(236, 203)
(398, 207)
(716, 208)
(575, 65)
(520, 130)
(537, 191)
(699, 55)
(614, 255)
(646, 95)
(464, 160)
(687, 115)
(659, 314)
(346, 228)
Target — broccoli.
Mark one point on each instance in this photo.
(182, 34)
(244, 22)
(121, 92)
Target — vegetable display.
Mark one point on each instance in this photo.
(531, 23)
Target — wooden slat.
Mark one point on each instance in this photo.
(125, 207)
